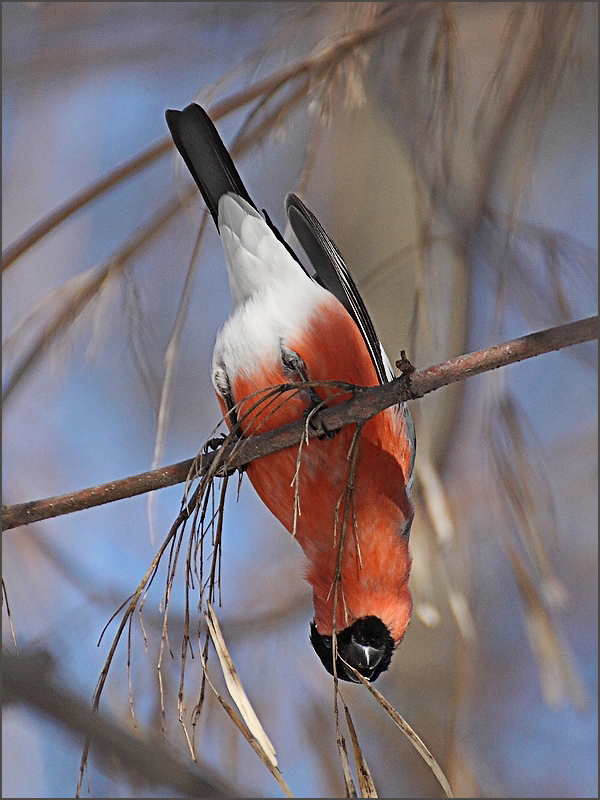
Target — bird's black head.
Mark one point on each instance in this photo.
(366, 645)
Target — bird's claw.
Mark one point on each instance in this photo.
(314, 422)
(215, 443)
(219, 441)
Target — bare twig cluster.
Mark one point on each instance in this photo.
(27, 679)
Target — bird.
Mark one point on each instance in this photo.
(346, 496)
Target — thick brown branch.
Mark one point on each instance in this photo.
(363, 405)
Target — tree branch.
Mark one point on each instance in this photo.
(365, 403)
(321, 61)
(26, 680)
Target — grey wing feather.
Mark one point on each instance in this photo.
(333, 274)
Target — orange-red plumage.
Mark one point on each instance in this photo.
(286, 327)
(376, 561)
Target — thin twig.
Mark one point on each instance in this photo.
(408, 731)
(170, 361)
(403, 13)
(26, 680)
(99, 277)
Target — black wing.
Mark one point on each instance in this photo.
(333, 274)
(205, 155)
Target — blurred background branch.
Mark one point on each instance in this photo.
(26, 680)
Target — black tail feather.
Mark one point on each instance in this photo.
(205, 155)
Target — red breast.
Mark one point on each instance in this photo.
(376, 560)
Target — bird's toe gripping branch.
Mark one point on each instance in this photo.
(215, 443)
(295, 369)
(314, 421)
(225, 440)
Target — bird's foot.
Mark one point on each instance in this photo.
(313, 420)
